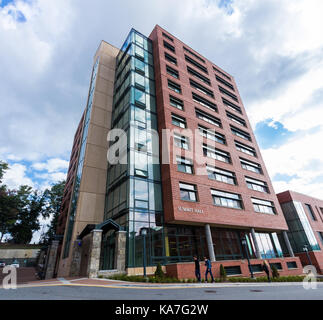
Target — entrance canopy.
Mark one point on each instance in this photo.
(104, 226)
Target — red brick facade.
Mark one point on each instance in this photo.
(219, 216)
(187, 270)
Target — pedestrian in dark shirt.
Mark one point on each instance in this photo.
(208, 270)
(197, 269)
(266, 269)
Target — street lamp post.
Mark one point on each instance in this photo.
(143, 233)
(308, 255)
(244, 244)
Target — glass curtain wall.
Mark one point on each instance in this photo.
(300, 232)
(134, 195)
(80, 161)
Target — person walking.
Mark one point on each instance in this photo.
(208, 270)
(197, 269)
(265, 267)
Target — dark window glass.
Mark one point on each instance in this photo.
(228, 93)
(174, 86)
(184, 165)
(188, 192)
(226, 199)
(178, 121)
(195, 64)
(203, 102)
(211, 134)
(168, 37)
(236, 119)
(222, 73)
(170, 58)
(221, 175)
(208, 118)
(226, 83)
(198, 75)
(174, 73)
(177, 103)
(310, 211)
(217, 154)
(231, 105)
(241, 134)
(201, 88)
(169, 46)
(193, 54)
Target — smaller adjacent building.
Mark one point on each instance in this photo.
(304, 217)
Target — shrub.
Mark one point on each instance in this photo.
(159, 273)
(275, 272)
(223, 273)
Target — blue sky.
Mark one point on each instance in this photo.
(273, 48)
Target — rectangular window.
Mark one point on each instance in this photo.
(228, 93)
(193, 54)
(195, 64)
(226, 83)
(320, 236)
(216, 154)
(176, 103)
(250, 166)
(203, 102)
(226, 199)
(257, 185)
(188, 192)
(174, 73)
(178, 121)
(181, 141)
(211, 134)
(221, 175)
(198, 75)
(263, 206)
(236, 119)
(222, 73)
(184, 165)
(241, 134)
(208, 118)
(174, 86)
(170, 58)
(168, 37)
(245, 149)
(278, 265)
(169, 46)
(231, 105)
(201, 88)
(291, 265)
(310, 211)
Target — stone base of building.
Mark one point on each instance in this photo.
(140, 271)
(235, 268)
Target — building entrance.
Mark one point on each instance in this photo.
(108, 251)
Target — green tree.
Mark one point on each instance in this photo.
(54, 197)
(31, 206)
(8, 205)
(275, 272)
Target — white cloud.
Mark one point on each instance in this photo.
(16, 176)
(51, 165)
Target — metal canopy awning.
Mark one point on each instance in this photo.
(104, 226)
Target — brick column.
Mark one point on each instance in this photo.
(253, 234)
(120, 251)
(94, 254)
(51, 259)
(289, 247)
(209, 242)
(76, 259)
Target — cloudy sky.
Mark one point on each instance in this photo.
(274, 48)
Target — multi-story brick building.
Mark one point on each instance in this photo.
(304, 217)
(209, 194)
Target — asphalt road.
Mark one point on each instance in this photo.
(263, 292)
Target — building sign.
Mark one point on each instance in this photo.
(190, 210)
